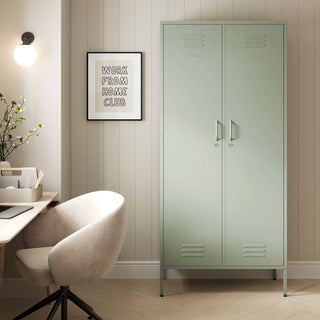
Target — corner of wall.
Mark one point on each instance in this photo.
(65, 100)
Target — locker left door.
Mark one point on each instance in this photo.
(192, 145)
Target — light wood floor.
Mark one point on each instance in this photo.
(187, 299)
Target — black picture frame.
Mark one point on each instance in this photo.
(114, 86)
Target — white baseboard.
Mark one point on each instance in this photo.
(304, 270)
(151, 270)
(135, 270)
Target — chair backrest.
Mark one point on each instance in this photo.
(87, 233)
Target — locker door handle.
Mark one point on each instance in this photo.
(217, 130)
(230, 130)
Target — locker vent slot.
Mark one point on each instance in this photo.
(193, 40)
(254, 250)
(254, 40)
(192, 250)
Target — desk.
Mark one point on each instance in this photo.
(9, 228)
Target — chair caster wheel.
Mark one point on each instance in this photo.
(161, 295)
(285, 295)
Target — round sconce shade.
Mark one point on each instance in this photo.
(25, 55)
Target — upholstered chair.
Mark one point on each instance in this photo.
(76, 241)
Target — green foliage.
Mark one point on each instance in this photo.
(12, 115)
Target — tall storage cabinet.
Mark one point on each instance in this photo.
(223, 146)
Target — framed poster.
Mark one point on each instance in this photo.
(114, 85)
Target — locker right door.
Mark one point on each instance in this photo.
(254, 118)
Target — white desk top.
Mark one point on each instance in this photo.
(9, 228)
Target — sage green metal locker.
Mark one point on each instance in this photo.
(223, 146)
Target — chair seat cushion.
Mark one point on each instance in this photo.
(33, 265)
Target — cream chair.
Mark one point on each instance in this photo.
(77, 241)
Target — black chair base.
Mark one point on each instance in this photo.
(61, 297)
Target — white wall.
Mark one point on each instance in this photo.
(40, 83)
(124, 156)
(119, 155)
(45, 86)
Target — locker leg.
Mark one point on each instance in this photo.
(285, 282)
(274, 274)
(161, 281)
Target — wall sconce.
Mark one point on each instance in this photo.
(24, 54)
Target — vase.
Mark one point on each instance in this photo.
(5, 164)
